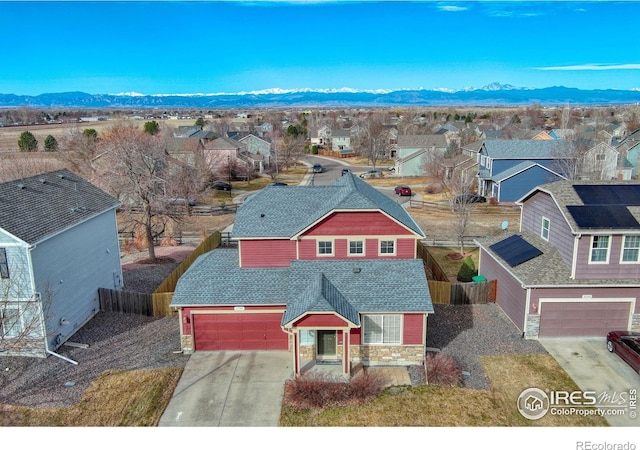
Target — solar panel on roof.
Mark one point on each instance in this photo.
(609, 194)
(515, 250)
(603, 216)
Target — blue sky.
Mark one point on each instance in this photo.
(162, 47)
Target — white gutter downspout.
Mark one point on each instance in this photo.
(296, 362)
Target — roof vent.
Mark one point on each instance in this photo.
(60, 175)
(20, 186)
(261, 215)
(42, 180)
(357, 270)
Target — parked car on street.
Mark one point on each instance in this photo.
(278, 183)
(371, 174)
(625, 344)
(469, 198)
(222, 186)
(317, 168)
(346, 171)
(403, 190)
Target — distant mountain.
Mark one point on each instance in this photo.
(494, 94)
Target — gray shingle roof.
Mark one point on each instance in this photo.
(520, 167)
(284, 211)
(520, 149)
(37, 207)
(565, 195)
(422, 140)
(398, 285)
(548, 269)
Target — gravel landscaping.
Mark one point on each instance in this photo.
(128, 342)
(466, 332)
(116, 342)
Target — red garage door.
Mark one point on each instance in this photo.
(583, 318)
(239, 332)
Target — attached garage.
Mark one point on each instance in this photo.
(580, 318)
(239, 331)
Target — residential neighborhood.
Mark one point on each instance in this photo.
(430, 250)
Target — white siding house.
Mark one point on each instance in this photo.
(58, 245)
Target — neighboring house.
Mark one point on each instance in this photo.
(562, 133)
(258, 150)
(572, 270)
(629, 148)
(222, 150)
(410, 152)
(341, 140)
(510, 168)
(327, 272)
(58, 245)
(322, 136)
(603, 162)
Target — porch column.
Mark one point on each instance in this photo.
(346, 338)
(296, 352)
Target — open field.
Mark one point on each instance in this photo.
(9, 135)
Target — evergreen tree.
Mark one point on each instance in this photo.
(27, 142)
(50, 144)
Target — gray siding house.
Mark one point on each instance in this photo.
(572, 270)
(58, 245)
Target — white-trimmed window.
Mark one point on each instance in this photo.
(356, 248)
(544, 232)
(600, 249)
(325, 248)
(12, 323)
(307, 337)
(387, 247)
(631, 249)
(4, 264)
(382, 329)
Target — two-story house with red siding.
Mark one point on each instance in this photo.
(574, 268)
(327, 272)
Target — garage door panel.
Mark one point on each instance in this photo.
(239, 332)
(582, 318)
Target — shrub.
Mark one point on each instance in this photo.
(318, 391)
(442, 370)
(467, 270)
(433, 188)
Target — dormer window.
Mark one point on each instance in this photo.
(544, 232)
(325, 248)
(631, 249)
(599, 249)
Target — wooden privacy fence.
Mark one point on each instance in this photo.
(157, 303)
(444, 292)
(112, 300)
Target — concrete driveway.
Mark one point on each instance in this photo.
(593, 368)
(230, 389)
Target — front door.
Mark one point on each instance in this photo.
(326, 344)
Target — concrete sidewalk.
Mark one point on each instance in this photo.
(230, 389)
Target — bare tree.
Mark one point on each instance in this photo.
(22, 312)
(376, 140)
(134, 169)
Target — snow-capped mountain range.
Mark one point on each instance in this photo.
(494, 94)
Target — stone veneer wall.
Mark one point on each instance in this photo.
(387, 355)
(532, 330)
(186, 340)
